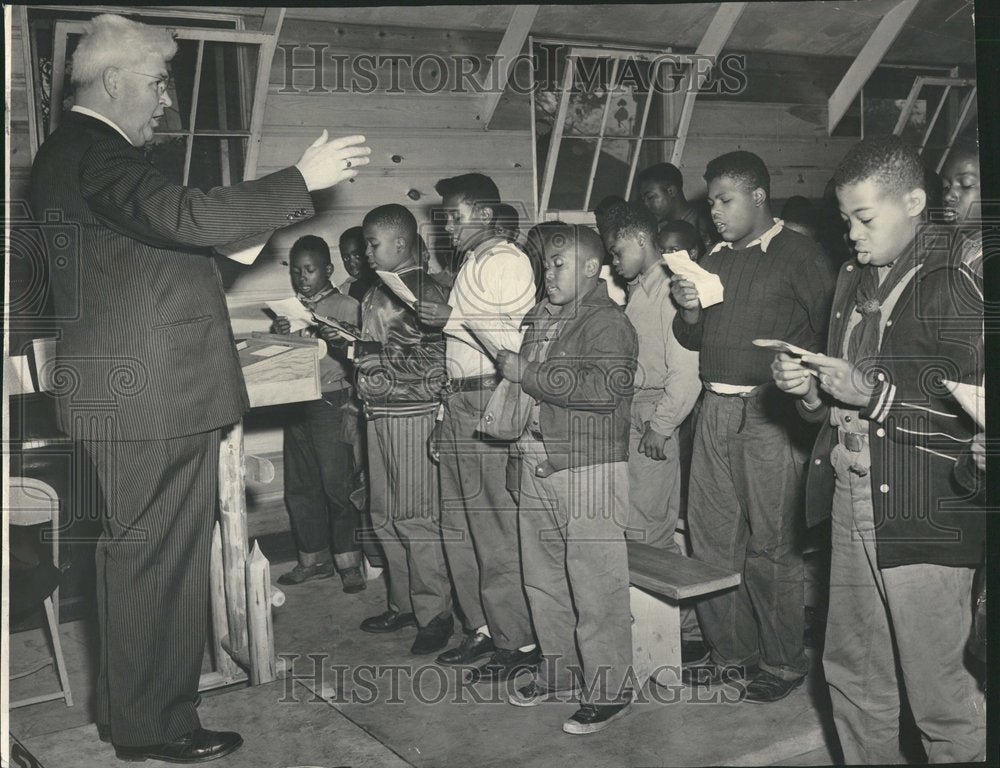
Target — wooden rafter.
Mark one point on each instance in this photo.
(711, 45)
(510, 46)
(867, 60)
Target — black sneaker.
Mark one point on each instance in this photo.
(765, 687)
(591, 718)
(505, 664)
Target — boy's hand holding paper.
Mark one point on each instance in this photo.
(298, 316)
(708, 285)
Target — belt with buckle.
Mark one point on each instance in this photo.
(473, 383)
(855, 442)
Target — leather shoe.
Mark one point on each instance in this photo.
(473, 646)
(434, 636)
(765, 688)
(504, 664)
(389, 621)
(197, 746)
(710, 673)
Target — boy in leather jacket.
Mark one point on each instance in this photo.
(401, 372)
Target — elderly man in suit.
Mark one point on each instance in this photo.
(150, 369)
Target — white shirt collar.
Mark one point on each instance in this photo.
(763, 241)
(102, 118)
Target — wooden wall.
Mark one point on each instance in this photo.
(416, 138)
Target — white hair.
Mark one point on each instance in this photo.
(114, 41)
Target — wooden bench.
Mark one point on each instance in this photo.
(660, 580)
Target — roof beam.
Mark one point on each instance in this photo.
(712, 42)
(510, 46)
(866, 61)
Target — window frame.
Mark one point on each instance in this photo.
(253, 99)
(543, 184)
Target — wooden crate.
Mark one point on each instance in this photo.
(280, 369)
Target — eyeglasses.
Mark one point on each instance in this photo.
(163, 82)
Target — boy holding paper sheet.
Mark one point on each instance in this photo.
(744, 501)
(317, 459)
(400, 365)
(905, 537)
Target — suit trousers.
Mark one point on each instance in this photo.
(576, 574)
(318, 469)
(915, 618)
(744, 514)
(153, 582)
(479, 524)
(405, 515)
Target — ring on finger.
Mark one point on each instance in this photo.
(347, 164)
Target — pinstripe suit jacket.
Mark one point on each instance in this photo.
(146, 349)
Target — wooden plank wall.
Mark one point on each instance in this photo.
(18, 145)
(416, 138)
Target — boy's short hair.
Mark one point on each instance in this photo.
(311, 244)
(687, 233)
(395, 217)
(798, 210)
(892, 164)
(473, 188)
(631, 219)
(664, 174)
(352, 233)
(506, 216)
(743, 166)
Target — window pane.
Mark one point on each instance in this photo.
(569, 186)
(215, 162)
(588, 96)
(167, 154)
(177, 117)
(224, 93)
(612, 169)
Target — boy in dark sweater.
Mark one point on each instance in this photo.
(401, 374)
(906, 539)
(317, 460)
(744, 500)
(578, 362)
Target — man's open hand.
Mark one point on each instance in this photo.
(328, 162)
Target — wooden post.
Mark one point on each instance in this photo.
(224, 664)
(258, 577)
(233, 518)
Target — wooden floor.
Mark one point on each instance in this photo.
(379, 706)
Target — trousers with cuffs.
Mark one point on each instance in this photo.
(744, 514)
(318, 468)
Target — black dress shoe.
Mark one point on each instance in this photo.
(434, 636)
(504, 665)
(765, 688)
(198, 746)
(694, 651)
(474, 646)
(710, 673)
(390, 621)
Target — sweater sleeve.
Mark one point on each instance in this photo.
(682, 385)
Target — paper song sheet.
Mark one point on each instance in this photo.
(292, 308)
(395, 284)
(341, 329)
(708, 285)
